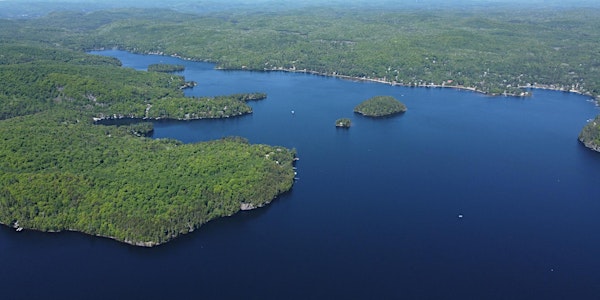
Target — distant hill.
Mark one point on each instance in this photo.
(19, 9)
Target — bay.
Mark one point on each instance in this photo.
(375, 210)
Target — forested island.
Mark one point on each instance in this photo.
(380, 106)
(343, 123)
(59, 171)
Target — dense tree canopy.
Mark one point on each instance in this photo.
(380, 106)
(59, 171)
(494, 50)
(62, 173)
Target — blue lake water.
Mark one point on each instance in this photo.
(375, 212)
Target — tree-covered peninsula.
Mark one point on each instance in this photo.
(590, 134)
(380, 106)
(190, 108)
(59, 171)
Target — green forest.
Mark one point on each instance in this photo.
(494, 51)
(62, 173)
(59, 171)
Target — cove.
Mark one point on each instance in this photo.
(374, 213)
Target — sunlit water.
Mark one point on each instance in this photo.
(375, 211)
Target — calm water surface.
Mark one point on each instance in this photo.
(374, 214)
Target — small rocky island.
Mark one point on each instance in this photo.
(590, 134)
(343, 123)
(380, 106)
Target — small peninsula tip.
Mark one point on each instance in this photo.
(590, 134)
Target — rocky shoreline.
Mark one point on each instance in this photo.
(590, 145)
(590, 134)
(243, 207)
(18, 228)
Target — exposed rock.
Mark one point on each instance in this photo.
(591, 145)
(247, 206)
(142, 244)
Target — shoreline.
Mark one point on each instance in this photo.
(590, 145)
(243, 206)
(149, 244)
(115, 117)
(132, 243)
(551, 87)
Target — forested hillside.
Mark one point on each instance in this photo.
(59, 171)
(490, 50)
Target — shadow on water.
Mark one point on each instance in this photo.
(588, 154)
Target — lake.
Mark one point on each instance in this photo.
(464, 196)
